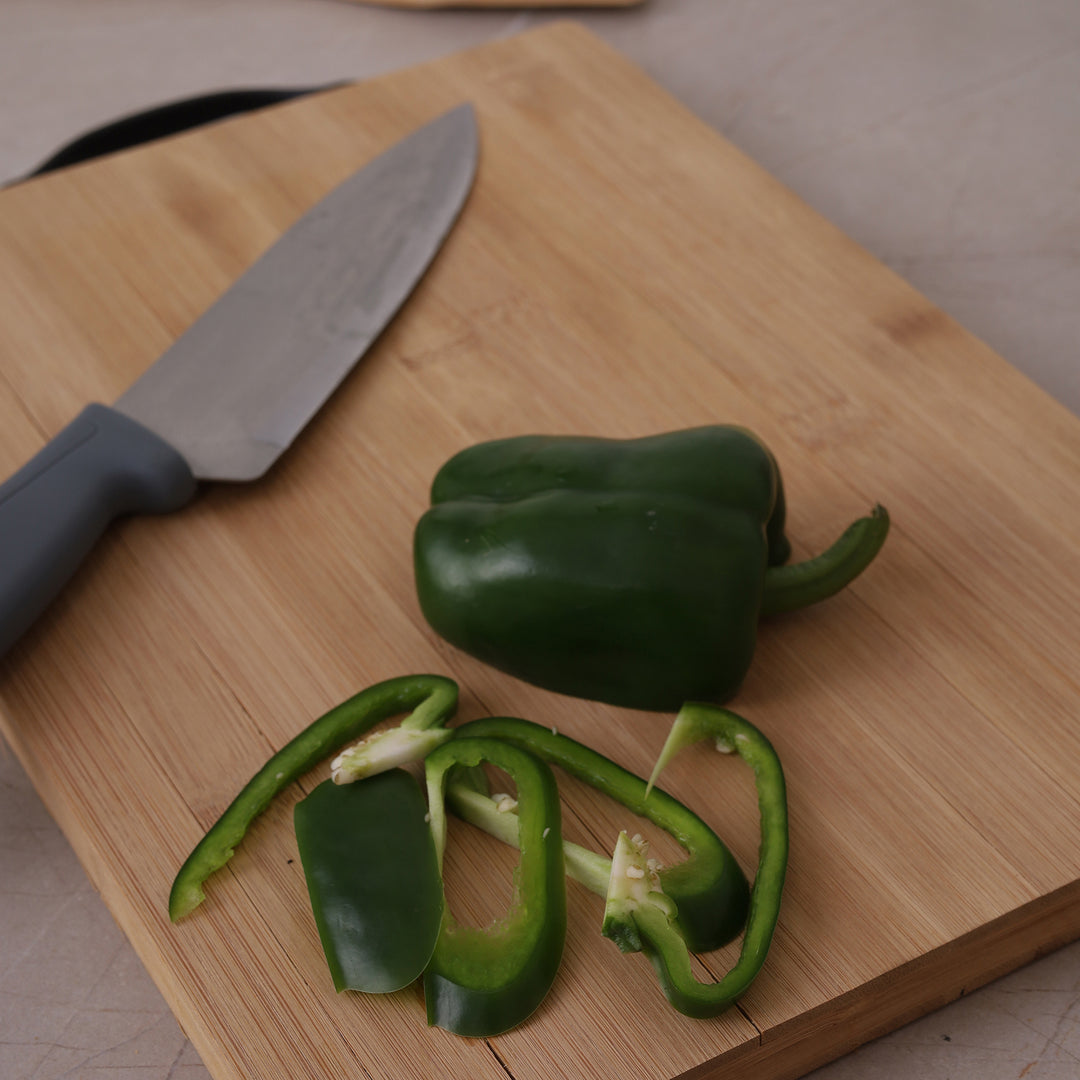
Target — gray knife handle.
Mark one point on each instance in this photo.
(102, 466)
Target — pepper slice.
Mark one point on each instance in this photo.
(640, 914)
(708, 887)
(432, 699)
(629, 571)
(482, 982)
(649, 914)
(373, 878)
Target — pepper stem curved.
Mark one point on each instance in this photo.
(788, 588)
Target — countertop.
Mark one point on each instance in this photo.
(940, 134)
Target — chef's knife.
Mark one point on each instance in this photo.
(232, 393)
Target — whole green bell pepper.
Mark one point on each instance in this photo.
(632, 572)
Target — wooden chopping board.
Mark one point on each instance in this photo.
(620, 270)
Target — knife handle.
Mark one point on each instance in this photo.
(102, 466)
(161, 121)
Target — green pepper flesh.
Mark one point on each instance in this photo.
(722, 465)
(373, 879)
(662, 941)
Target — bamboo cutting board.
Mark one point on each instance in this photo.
(619, 270)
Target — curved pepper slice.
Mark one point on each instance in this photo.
(708, 887)
(629, 571)
(482, 982)
(432, 699)
(649, 913)
(373, 878)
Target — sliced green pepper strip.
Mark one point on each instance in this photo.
(373, 878)
(708, 887)
(481, 982)
(432, 699)
(798, 585)
(663, 943)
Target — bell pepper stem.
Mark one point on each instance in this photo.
(432, 696)
(788, 588)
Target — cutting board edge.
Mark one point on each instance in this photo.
(896, 998)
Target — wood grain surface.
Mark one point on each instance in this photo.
(619, 270)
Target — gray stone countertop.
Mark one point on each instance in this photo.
(943, 135)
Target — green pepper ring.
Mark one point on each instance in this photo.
(482, 982)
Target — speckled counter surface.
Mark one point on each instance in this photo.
(940, 134)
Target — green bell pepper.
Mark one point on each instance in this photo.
(373, 877)
(632, 572)
(482, 982)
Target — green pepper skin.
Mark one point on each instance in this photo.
(482, 982)
(590, 595)
(632, 572)
(373, 879)
(721, 465)
(708, 887)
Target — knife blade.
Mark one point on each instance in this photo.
(234, 391)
